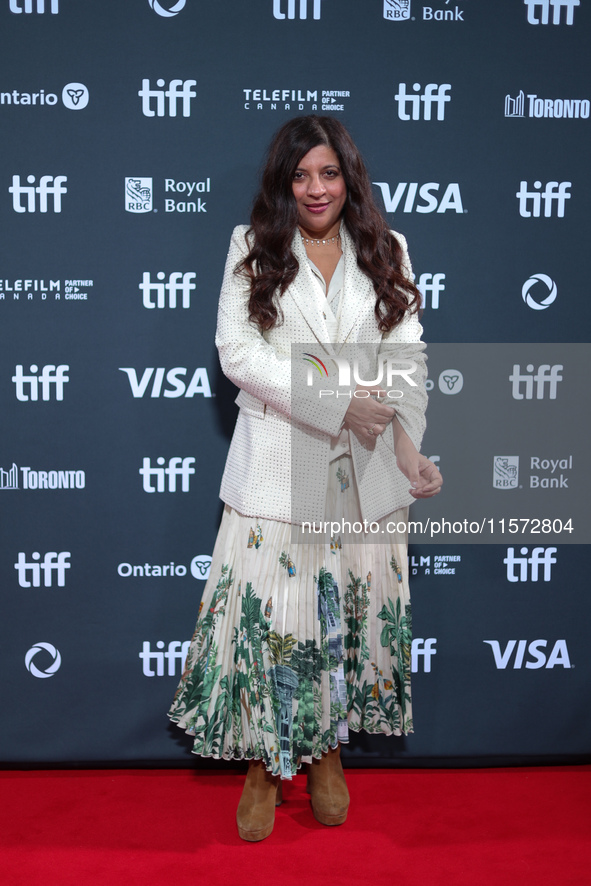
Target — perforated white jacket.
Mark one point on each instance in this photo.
(277, 466)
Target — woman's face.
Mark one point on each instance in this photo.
(320, 192)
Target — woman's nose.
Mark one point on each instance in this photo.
(316, 185)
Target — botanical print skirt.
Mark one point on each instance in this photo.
(298, 643)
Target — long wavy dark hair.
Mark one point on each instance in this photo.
(271, 264)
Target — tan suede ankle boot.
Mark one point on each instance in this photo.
(255, 816)
(328, 788)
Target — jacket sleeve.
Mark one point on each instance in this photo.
(404, 346)
(257, 367)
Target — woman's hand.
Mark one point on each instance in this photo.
(424, 476)
(366, 417)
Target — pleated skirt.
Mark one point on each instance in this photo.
(296, 643)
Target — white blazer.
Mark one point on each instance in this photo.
(278, 462)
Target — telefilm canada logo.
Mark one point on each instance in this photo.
(505, 471)
(75, 97)
(270, 98)
(26, 290)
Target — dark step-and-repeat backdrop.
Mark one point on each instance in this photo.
(132, 137)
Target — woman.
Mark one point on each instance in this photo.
(302, 636)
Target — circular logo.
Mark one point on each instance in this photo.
(200, 566)
(75, 96)
(450, 381)
(161, 10)
(544, 303)
(41, 647)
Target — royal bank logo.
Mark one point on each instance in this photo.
(38, 6)
(167, 9)
(45, 649)
(138, 194)
(506, 471)
(539, 292)
(555, 108)
(397, 10)
(538, 11)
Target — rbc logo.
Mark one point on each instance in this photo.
(540, 557)
(177, 283)
(397, 10)
(280, 5)
(506, 471)
(434, 284)
(542, 8)
(51, 376)
(433, 95)
(554, 192)
(52, 562)
(177, 467)
(49, 186)
(138, 194)
(178, 89)
(542, 378)
(451, 199)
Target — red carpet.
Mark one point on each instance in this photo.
(411, 827)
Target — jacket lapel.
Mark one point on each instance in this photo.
(305, 291)
(358, 298)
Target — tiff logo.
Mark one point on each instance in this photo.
(542, 8)
(177, 467)
(431, 283)
(424, 649)
(540, 557)
(45, 189)
(554, 192)
(29, 574)
(302, 8)
(433, 95)
(178, 89)
(176, 651)
(177, 283)
(542, 378)
(26, 6)
(51, 376)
